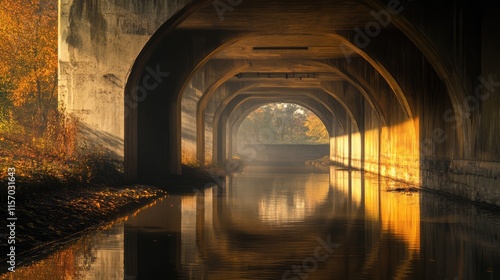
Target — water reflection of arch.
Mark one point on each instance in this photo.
(243, 242)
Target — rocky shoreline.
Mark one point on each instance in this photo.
(52, 217)
(51, 212)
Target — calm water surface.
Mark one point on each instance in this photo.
(337, 225)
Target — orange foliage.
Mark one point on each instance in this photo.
(28, 56)
(28, 78)
(316, 129)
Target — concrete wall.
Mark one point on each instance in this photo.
(457, 109)
(98, 44)
(285, 153)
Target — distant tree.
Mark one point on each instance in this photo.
(316, 130)
(282, 123)
(288, 121)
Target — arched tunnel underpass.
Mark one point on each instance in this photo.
(294, 139)
(386, 90)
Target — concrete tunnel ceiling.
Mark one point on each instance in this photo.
(273, 46)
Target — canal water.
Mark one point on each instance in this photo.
(297, 225)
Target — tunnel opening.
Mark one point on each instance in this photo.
(281, 134)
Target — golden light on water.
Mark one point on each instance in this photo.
(397, 213)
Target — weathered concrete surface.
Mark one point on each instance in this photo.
(475, 180)
(98, 44)
(284, 153)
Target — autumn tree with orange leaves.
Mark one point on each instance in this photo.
(28, 76)
(316, 130)
(282, 123)
(28, 55)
